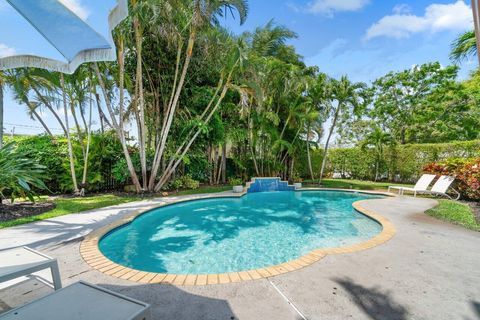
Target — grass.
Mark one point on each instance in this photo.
(207, 189)
(353, 184)
(64, 206)
(455, 212)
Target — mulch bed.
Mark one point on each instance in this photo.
(9, 211)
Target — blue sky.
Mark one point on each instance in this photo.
(363, 39)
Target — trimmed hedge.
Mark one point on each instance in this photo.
(401, 163)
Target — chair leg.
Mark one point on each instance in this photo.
(57, 281)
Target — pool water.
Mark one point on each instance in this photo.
(235, 234)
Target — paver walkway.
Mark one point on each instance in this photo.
(429, 270)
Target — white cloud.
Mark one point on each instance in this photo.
(77, 8)
(438, 17)
(329, 7)
(6, 51)
(402, 8)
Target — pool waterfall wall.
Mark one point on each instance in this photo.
(268, 184)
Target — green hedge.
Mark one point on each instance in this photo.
(401, 163)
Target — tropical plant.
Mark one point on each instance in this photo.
(378, 139)
(465, 171)
(344, 99)
(19, 175)
(464, 47)
(2, 84)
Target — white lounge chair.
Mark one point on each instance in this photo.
(441, 187)
(421, 185)
(81, 301)
(24, 261)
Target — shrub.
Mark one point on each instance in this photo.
(466, 172)
(50, 153)
(19, 175)
(189, 183)
(184, 182)
(235, 182)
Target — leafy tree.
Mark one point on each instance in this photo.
(400, 97)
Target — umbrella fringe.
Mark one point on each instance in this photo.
(116, 16)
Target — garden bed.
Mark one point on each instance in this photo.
(18, 210)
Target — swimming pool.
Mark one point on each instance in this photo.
(221, 235)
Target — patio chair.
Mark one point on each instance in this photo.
(81, 301)
(441, 187)
(24, 261)
(421, 185)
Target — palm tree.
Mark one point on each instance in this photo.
(344, 100)
(20, 84)
(2, 82)
(464, 47)
(204, 12)
(49, 90)
(378, 139)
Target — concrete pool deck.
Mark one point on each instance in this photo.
(429, 270)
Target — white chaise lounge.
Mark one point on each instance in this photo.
(24, 261)
(81, 301)
(421, 185)
(441, 187)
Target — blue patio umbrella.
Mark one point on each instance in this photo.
(72, 37)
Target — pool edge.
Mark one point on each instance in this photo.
(92, 255)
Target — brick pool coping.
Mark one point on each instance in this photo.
(92, 255)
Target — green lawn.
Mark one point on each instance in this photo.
(73, 205)
(207, 189)
(352, 184)
(455, 212)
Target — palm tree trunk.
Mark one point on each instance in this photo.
(252, 148)
(39, 118)
(69, 140)
(118, 126)
(141, 101)
(224, 163)
(171, 168)
(79, 129)
(325, 150)
(1, 115)
(309, 157)
(50, 108)
(85, 159)
(171, 110)
(476, 23)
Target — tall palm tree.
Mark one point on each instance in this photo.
(345, 99)
(464, 47)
